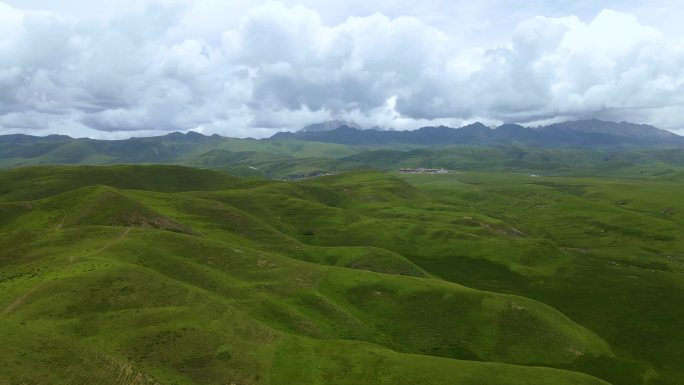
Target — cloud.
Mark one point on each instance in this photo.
(154, 67)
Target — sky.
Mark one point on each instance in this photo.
(124, 68)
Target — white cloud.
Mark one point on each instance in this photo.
(245, 70)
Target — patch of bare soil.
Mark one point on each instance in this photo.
(157, 222)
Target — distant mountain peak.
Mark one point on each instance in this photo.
(330, 125)
(477, 125)
(190, 136)
(194, 134)
(621, 129)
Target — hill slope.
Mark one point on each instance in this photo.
(175, 148)
(353, 278)
(111, 297)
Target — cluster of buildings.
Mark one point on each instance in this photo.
(315, 174)
(421, 170)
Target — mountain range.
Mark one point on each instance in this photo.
(590, 144)
(592, 133)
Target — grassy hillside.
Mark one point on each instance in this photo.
(638, 163)
(289, 158)
(174, 148)
(32, 183)
(507, 158)
(172, 275)
(624, 239)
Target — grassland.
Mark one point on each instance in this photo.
(290, 158)
(174, 148)
(174, 275)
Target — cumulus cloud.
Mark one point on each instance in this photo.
(155, 67)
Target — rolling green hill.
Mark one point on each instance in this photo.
(286, 157)
(175, 148)
(638, 163)
(176, 275)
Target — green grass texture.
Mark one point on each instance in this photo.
(175, 275)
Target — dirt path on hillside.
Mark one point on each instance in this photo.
(61, 223)
(20, 300)
(17, 302)
(113, 241)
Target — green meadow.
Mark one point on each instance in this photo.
(155, 274)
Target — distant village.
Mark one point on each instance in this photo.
(421, 170)
(298, 177)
